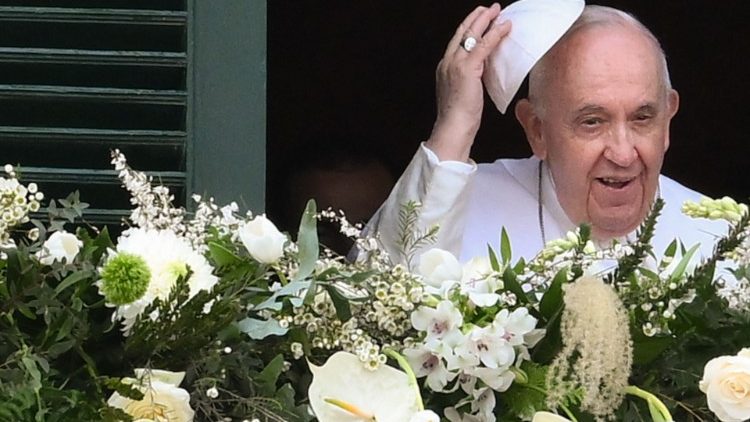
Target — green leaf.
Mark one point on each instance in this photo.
(125, 390)
(59, 348)
(31, 369)
(493, 258)
(267, 378)
(526, 399)
(671, 249)
(222, 256)
(647, 349)
(552, 301)
(307, 242)
(71, 280)
(65, 327)
(511, 283)
(505, 251)
(680, 269)
(259, 329)
(518, 268)
(341, 303)
(26, 311)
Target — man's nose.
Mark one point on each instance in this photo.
(620, 148)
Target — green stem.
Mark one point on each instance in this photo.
(652, 400)
(409, 373)
(567, 411)
(523, 379)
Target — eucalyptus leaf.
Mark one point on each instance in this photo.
(258, 329)
(307, 242)
(291, 289)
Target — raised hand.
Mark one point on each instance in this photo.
(459, 90)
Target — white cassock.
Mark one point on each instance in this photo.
(472, 203)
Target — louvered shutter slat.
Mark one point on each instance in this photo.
(77, 81)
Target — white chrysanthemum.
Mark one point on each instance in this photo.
(168, 257)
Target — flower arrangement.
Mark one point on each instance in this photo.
(216, 315)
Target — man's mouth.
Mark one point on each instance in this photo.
(615, 183)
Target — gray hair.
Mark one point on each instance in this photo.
(593, 15)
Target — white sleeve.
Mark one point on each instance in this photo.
(441, 188)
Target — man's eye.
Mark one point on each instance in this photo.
(591, 121)
(643, 117)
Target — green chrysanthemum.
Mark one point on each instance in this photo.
(125, 279)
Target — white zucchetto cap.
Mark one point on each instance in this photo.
(536, 27)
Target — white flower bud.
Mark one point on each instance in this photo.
(262, 239)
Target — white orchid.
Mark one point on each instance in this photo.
(437, 322)
(516, 324)
(498, 379)
(480, 282)
(428, 363)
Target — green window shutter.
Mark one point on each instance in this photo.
(81, 77)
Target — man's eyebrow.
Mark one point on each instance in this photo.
(651, 108)
(589, 108)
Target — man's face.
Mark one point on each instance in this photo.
(605, 127)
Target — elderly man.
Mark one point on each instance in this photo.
(597, 120)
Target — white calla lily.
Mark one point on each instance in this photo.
(548, 417)
(343, 390)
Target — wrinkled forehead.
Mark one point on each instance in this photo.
(605, 56)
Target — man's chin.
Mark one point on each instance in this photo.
(614, 224)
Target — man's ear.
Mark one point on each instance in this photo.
(673, 104)
(532, 125)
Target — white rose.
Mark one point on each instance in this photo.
(60, 246)
(262, 239)
(162, 396)
(548, 417)
(726, 382)
(438, 266)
